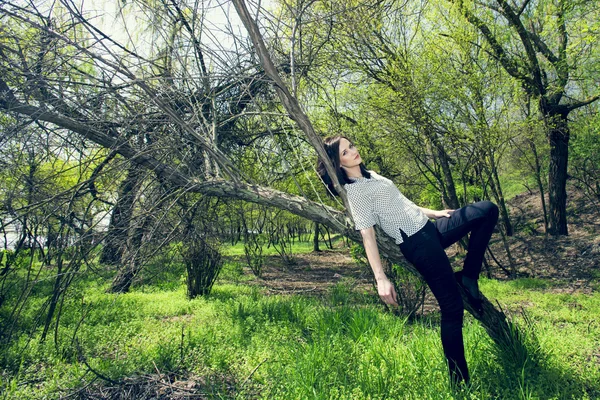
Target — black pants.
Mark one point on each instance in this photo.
(425, 250)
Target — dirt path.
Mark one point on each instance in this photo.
(313, 273)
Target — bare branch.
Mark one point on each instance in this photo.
(578, 104)
(204, 142)
(499, 53)
(515, 22)
(290, 103)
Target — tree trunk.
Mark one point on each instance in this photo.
(511, 261)
(558, 136)
(123, 280)
(449, 188)
(497, 190)
(538, 179)
(131, 259)
(316, 238)
(116, 237)
(56, 291)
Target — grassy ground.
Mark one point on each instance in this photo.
(241, 342)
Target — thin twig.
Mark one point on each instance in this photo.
(253, 371)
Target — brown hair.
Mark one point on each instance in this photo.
(332, 147)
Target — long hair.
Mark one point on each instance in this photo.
(332, 147)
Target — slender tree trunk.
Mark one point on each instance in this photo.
(316, 238)
(497, 190)
(56, 291)
(511, 260)
(449, 192)
(538, 179)
(558, 136)
(327, 239)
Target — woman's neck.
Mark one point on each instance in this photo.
(353, 172)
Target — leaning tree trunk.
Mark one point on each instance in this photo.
(558, 137)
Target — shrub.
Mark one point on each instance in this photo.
(253, 251)
(203, 264)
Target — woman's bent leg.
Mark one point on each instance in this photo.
(478, 218)
(425, 252)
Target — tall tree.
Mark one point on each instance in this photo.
(544, 45)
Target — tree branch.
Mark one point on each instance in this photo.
(290, 103)
(572, 106)
(523, 7)
(514, 21)
(120, 68)
(499, 53)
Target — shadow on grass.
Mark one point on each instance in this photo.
(520, 368)
(535, 378)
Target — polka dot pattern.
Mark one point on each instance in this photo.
(378, 201)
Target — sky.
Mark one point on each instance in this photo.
(123, 20)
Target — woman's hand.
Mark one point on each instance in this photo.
(441, 214)
(387, 292)
(384, 286)
(436, 214)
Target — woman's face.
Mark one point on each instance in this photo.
(349, 156)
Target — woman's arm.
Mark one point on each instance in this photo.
(436, 214)
(385, 288)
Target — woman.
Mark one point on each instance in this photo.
(374, 199)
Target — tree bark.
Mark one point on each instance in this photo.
(449, 188)
(538, 179)
(131, 258)
(497, 191)
(558, 137)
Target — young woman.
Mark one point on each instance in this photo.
(374, 199)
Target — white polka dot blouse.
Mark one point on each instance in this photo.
(378, 201)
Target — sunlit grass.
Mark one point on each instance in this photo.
(340, 346)
(297, 247)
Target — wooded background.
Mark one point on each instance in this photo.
(164, 123)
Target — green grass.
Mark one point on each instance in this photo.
(297, 248)
(340, 346)
(516, 182)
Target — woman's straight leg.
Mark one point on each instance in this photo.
(425, 252)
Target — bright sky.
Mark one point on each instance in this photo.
(221, 20)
